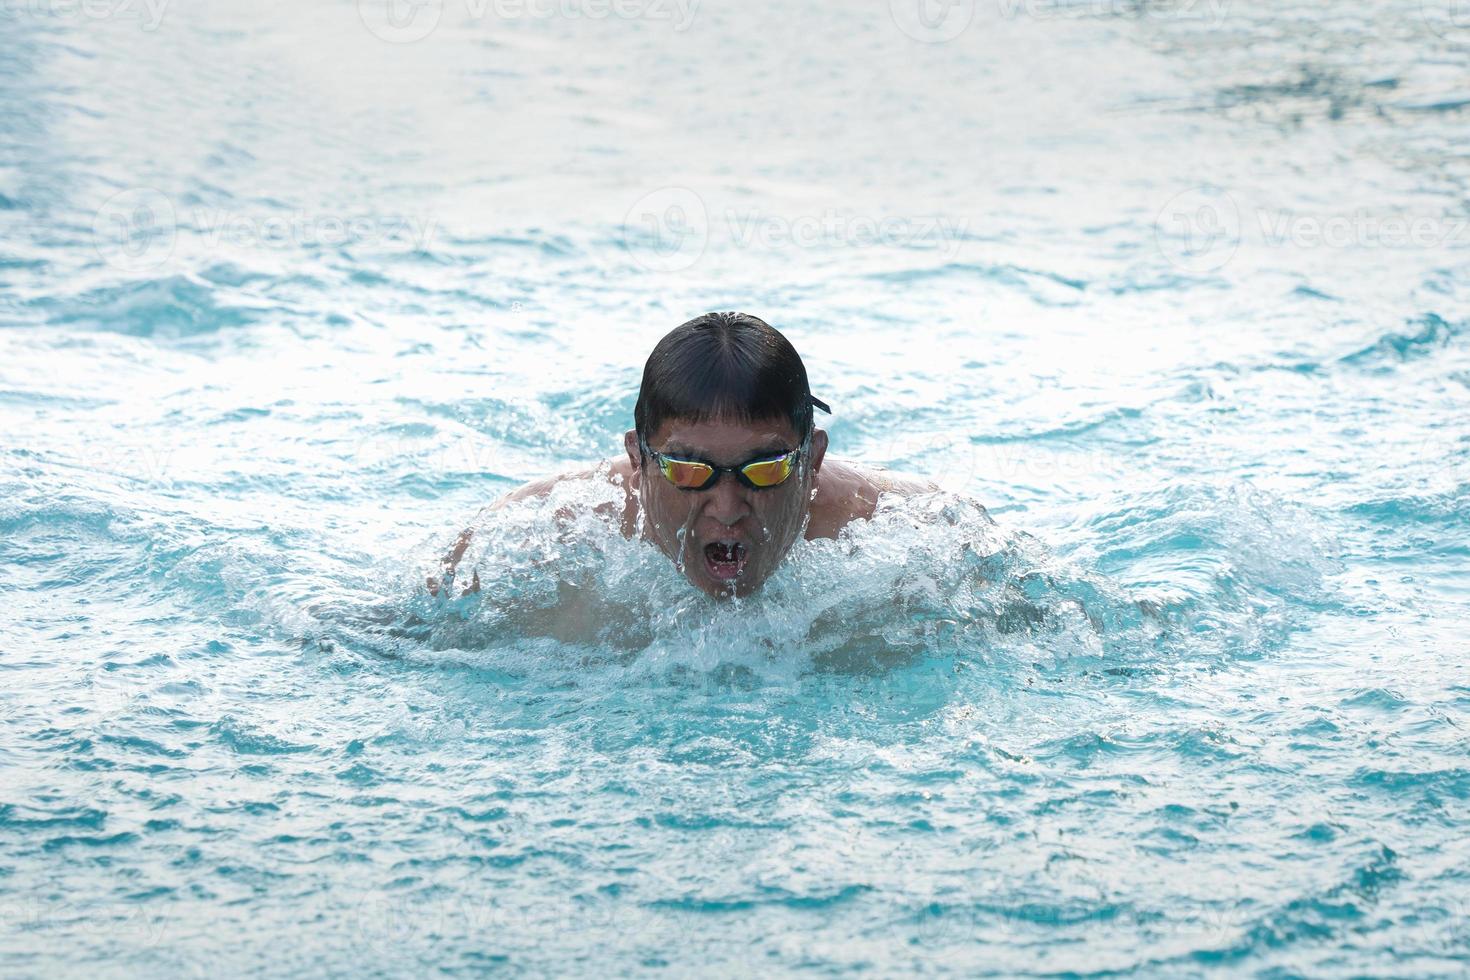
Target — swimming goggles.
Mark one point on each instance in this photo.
(762, 473)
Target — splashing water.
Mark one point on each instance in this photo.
(288, 295)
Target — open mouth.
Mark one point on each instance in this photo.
(725, 560)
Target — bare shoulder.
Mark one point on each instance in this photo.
(848, 491)
(617, 472)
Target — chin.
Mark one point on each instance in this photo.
(741, 585)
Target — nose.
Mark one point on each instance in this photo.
(726, 503)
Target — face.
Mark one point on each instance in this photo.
(727, 540)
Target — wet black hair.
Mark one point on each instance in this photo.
(724, 366)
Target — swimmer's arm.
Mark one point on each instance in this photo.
(535, 489)
(849, 492)
(450, 562)
(611, 470)
(902, 484)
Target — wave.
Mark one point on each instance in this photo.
(169, 306)
(930, 580)
(1433, 333)
(1447, 508)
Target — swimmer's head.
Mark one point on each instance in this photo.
(725, 390)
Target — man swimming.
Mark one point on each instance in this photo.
(724, 468)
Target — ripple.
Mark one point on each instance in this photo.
(171, 307)
(243, 739)
(1176, 699)
(1433, 334)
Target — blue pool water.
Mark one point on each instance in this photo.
(288, 291)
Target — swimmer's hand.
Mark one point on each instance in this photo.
(564, 516)
(435, 584)
(447, 566)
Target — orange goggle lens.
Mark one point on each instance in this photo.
(769, 472)
(690, 474)
(685, 474)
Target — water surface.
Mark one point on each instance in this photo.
(1177, 291)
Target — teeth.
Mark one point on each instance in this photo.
(725, 550)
